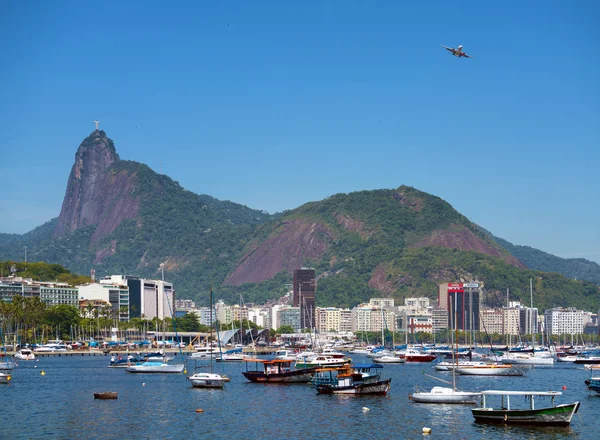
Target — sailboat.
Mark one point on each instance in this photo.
(159, 364)
(445, 394)
(204, 379)
(529, 358)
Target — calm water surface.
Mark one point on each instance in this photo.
(61, 405)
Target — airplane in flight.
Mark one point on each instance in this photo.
(457, 52)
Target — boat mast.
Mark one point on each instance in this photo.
(531, 316)
(454, 360)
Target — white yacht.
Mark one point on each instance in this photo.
(25, 354)
(52, 346)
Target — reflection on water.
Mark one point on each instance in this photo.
(61, 405)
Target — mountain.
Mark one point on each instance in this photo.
(120, 216)
(577, 268)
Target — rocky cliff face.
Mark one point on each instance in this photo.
(287, 249)
(94, 195)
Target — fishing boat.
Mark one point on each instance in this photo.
(554, 415)
(351, 379)
(277, 371)
(155, 367)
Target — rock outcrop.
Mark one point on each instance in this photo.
(95, 195)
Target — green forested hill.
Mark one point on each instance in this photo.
(576, 268)
(391, 242)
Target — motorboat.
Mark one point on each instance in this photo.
(351, 379)
(52, 346)
(205, 352)
(444, 395)
(6, 367)
(418, 356)
(554, 415)
(207, 380)
(389, 359)
(25, 354)
(321, 361)
(5, 377)
(155, 367)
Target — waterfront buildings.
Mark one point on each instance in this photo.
(50, 293)
(333, 319)
(116, 294)
(571, 321)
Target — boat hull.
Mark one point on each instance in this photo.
(444, 395)
(374, 388)
(155, 368)
(529, 361)
(303, 375)
(207, 380)
(559, 415)
(110, 395)
(490, 371)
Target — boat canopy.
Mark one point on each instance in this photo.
(520, 393)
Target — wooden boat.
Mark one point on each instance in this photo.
(277, 371)
(106, 396)
(351, 379)
(554, 415)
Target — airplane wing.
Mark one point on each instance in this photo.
(447, 48)
(467, 56)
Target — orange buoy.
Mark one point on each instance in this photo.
(199, 410)
(564, 387)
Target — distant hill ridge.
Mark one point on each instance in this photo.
(120, 216)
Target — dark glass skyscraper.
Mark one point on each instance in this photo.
(305, 287)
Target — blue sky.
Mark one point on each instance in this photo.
(224, 96)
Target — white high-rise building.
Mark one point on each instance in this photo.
(568, 321)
